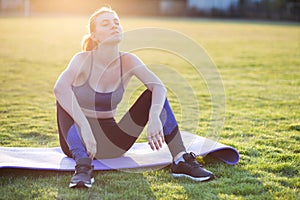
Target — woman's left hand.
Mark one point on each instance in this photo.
(155, 133)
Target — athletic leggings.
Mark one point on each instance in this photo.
(114, 139)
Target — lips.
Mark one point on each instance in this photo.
(115, 33)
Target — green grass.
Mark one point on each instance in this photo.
(259, 65)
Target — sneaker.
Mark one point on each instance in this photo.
(83, 176)
(190, 168)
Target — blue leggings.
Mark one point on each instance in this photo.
(114, 139)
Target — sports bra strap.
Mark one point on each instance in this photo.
(121, 68)
(91, 66)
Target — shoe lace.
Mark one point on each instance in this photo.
(192, 160)
(82, 169)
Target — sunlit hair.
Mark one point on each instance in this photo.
(87, 43)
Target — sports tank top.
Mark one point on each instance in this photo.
(90, 99)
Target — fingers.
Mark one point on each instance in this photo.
(162, 136)
(154, 144)
(91, 156)
(92, 151)
(158, 144)
(156, 141)
(151, 145)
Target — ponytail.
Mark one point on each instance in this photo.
(87, 43)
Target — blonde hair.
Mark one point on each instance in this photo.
(87, 43)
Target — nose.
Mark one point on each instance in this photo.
(114, 25)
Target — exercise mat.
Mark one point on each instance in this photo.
(139, 155)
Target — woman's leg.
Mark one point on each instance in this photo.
(171, 132)
(64, 122)
(69, 138)
(136, 118)
(75, 143)
(120, 136)
(72, 146)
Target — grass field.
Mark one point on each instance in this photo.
(259, 63)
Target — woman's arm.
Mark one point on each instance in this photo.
(154, 84)
(67, 99)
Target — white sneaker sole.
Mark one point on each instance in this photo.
(200, 179)
(81, 184)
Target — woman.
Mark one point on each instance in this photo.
(88, 93)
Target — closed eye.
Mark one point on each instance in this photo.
(105, 22)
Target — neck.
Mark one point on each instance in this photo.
(106, 54)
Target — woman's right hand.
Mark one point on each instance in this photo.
(89, 141)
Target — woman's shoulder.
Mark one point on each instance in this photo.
(131, 60)
(127, 55)
(81, 56)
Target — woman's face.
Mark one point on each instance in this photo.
(107, 28)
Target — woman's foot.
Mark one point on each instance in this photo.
(83, 176)
(190, 168)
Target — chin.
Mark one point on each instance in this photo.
(113, 40)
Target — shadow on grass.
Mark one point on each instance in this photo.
(111, 185)
(232, 182)
(39, 184)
